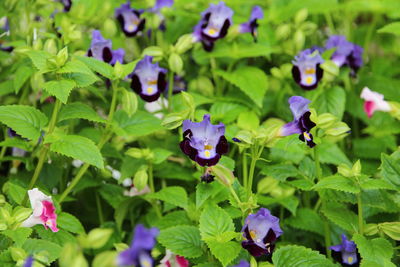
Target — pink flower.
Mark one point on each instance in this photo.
(43, 211)
(172, 260)
(373, 102)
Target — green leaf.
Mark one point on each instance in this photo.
(34, 246)
(79, 110)
(332, 100)
(308, 220)
(225, 252)
(214, 221)
(60, 89)
(206, 190)
(234, 50)
(331, 153)
(341, 216)
(375, 184)
(15, 191)
(18, 235)
(98, 66)
(24, 120)
(393, 28)
(251, 80)
(140, 124)
(61, 237)
(77, 147)
(299, 256)
(338, 182)
(70, 223)
(81, 79)
(21, 76)
(390, 169)
(182, 240)
(377, 250)
(39, 59)
(75, 66)
(105, 259)
(174, 218)
(174, 195)
(160, 155)
(248, 121)
(391, 229)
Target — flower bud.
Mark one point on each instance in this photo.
(283, 32)
(17, 253)
(299, 39)
(20, 214)
(223, 174)
(97, 238)
(50, 46)
(140, 179)
(129, 102)
(172, 120)
(109, 27)
(62, 57)
(184, 43)
(301, 16)
(175, 63)
(153, 51)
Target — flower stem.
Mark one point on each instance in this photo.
(99, 209)
(170, 89)
(244, 168)
(105, 137)
(360, 215)
(329, 21)
(251, 174)
(44, 150)
(213, 64)
(151, 185)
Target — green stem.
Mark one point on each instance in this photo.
(251, 173)
(327, 232)
(368, 36)
(329, 21)
(244, 168)
(317, 164)
(360, 215)
(105, 137)
(44, 150)
(152, 189)
(213, 64)
(170, 89)
(99, 209)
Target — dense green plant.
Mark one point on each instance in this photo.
(86, 159)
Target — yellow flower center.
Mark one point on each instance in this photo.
(310, 71)
(307, 136)
(253, 234)
(350, 259)
(212, 31)
(207, 153)
(145, 263)
(149, 90)
(208, 147)
(309, 80)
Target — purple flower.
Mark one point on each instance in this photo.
(139, 253)
(301, 123)
(306, 69)
(28, 262)
(346, 53)
(242, 263)
(252, 25)
(214, 25)
(100, 49)
(204, 142)
(161, 4)
(348, 249)
(16, 152)
(261, 231)
(148, 79)
(129, 19)
(67, 5)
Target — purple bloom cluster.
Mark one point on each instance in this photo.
(261, 231)
(204, 142)
(301, 123)
(346, 53)
(101, 49)
(214, 25)
(348, 249)
(306, 68)
(252, 25)
(148, 79)
(139, 253)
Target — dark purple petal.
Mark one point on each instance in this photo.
(348, 249)
(222, 146)
(107, 54)
(254, 249)
(100, 49)
(207, 161)
(207, 178)
(252, 25)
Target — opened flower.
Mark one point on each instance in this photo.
(100, 49)
(139, 253)
(148, 79)
(43, 211)
(302, 123)
(204, 142)
(261, 231)
(130, 20)
(171, 260)
(348, 249)
(214, 25)
(373, 101)
(346, 53)
(252, 25)
(306, 69)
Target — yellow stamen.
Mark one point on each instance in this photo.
(307, 136)
(212, 31)
(152, 82)
(207, 153)
(149, 90)
(350, 259)
(253, 234)
(146, 263)
(309, 80)
(310, 71)
(208, 147)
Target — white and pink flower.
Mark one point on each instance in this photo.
(373, 102)
(43, 211)
(172, 260)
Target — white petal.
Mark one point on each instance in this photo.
(31, 221)
(375, 97)
(37, 195)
